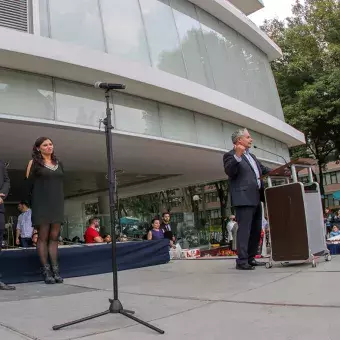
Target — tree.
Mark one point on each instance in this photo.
(222, 189)
(144, 206)
(150, 205)
(169, 199)
(308, 76)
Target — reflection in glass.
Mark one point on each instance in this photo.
(136, 115)
(172, 35)
(235, 62)
(77, 21)
(124, 30)
(257, 140)
(26, 95)
(216, 47)
(269, 144)
(79, 104)
(248, 71)
(43, 18)
(192, 43)
(209, 131)
(162, 36)
(178, 124)
(274, 93)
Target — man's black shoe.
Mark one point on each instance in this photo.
(254, 263)
(3, 286)
(244, 266)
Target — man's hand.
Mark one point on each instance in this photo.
(17, 242)
(239, 150)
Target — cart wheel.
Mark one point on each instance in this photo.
(269, 265)
(313, 264)
(328, 257)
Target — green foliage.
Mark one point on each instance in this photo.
(150, 205)
(308, 74)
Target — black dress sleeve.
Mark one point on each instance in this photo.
(6, 181)
(28, 185)
(61, 166)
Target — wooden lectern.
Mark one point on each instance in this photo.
(295, 215)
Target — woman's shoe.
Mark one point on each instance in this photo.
(57, 277)
(47, 273)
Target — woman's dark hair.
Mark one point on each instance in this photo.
(24, 203)
(155, 219)
(36, 154)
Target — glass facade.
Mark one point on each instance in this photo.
(76, 21)
(26, 95)
(78, 104)
(34, 96)
(124, 30)
(174, 36)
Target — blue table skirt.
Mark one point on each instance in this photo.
(334, 248)
(19, 266)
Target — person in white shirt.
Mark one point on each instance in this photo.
(265, 227)
(24, 226)
(230, 227)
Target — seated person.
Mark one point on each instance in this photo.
(60, 241)
(24, 230)
(156, 233)
(34, 239)
(91, 234)
(107, 238)
(122, 238)
(335, 231)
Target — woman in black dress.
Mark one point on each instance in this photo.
(45, 176)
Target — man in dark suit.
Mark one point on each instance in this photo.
(4, 189)
(166, 227)
(247, 191)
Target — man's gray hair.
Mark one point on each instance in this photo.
(237, 134)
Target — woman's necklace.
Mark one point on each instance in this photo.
(52, 167)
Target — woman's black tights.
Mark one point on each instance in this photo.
(48, 243)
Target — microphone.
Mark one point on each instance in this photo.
(109, 86)
(275, 154)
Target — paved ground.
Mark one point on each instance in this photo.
(189, 299)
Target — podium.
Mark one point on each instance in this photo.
(295, 215)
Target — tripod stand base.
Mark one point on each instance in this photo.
(115, 308)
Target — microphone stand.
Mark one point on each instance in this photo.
(116, 306)
(272, 153)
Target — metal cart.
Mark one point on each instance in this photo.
(295, 216)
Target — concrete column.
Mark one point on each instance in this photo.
(74, 214)
(104, 209)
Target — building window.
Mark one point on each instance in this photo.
(327, 179)
(326, 202)
(333, 178)
(211, 197)
(76, 21)
(304, 179)
(330, 200)
(177, 218)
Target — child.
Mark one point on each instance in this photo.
(335, 231)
